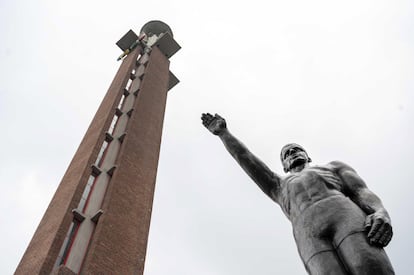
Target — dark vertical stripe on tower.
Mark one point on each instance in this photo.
(120, 239)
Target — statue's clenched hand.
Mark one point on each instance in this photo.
(215, 124)
(379, 229)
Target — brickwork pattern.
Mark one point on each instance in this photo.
(120, 239)
(41, 254)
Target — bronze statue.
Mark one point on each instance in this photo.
(339, 225)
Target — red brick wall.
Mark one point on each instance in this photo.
(120, 240)
(41, 254)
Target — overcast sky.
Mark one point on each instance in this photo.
(334, 76)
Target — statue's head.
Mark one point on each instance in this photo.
(293, 155)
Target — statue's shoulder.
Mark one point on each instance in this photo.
(337, 165)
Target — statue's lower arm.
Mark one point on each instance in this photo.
(254, 167)
(378, 222)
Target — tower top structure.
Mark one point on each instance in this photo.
(156, 27)
(153, 33)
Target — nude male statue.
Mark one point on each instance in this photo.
(339, 225)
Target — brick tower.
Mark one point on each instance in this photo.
(98, 219)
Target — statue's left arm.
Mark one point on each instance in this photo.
(378, 222)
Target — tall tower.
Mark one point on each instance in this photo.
(99, 217)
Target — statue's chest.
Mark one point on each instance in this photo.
(312, 184)
(314, 178)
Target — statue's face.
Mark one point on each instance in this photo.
(293, 155)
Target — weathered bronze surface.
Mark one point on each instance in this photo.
(339, 225)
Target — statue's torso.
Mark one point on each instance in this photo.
(306, 188)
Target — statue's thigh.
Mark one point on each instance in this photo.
(325, 263)
(361, 258)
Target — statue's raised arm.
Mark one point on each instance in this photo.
(340, 226)
(268, 181)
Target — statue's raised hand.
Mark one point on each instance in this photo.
(215, 124)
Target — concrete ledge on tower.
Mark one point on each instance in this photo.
(77, 215)
(108, 137)
(118, 112)
(111, 170)
(96, 171)
(95, 217)
(129, 113)
(121, 137)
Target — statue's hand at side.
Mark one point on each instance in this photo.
(215, 124)
(379, 229)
